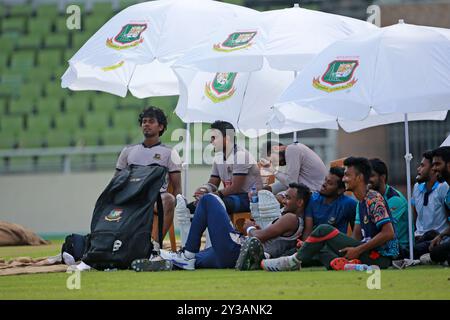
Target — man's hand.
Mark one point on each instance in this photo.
(280, 197)
(264, 163)
(351, 252)
(250, 223)
(435, 242)
(200, 192)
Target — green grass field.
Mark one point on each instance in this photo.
(427, 282)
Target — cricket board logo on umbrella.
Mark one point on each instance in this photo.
(236, 41)
(221, 88)
(130, 36)
(338, 76)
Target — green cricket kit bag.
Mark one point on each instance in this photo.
(122, 221)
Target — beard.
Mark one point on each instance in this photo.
(443, 177)
(421, 179)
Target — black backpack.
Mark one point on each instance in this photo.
(122, 221)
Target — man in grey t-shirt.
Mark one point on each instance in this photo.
(303, 165)
(234, 166)
(153, 122)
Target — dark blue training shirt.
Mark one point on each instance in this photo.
(339, 213)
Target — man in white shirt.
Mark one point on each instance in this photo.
(153, 123)
(428, 205)
(303, 165)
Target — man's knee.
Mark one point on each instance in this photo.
(168, 201)
(322, 230)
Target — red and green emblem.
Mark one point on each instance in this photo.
(114, 215)
(221, 88)
(130, 36)
(338, 76)
(236, 41)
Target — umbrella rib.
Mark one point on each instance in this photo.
(375, 72)
(243, 100)
(131, 77)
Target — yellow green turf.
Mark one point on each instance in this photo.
(426, 282)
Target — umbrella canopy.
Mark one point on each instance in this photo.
(397, 69)
(288, 39)
(292, 117)
(244, 99)
(253, 51)
(135, 48)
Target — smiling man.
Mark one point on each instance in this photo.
(373, 241)
(330, 205)
(153, 123)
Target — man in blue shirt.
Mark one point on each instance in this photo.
(330, 205)
(440, 246)
(428, 206)
(397, 203)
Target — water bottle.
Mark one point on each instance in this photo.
(357, 267)
(254, 195)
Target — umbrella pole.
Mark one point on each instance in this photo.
(187, 153)
(294, 134)
(408, 158)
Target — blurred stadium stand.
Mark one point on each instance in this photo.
(42, 126)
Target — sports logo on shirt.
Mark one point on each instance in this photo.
(130, 36)
(366, 220)
(157, 156)
(114, 215)
(236, 41)
(338, 76)
(221, 88)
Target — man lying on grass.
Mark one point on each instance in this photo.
(374, 241)
(230, 248)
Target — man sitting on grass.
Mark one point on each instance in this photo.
(330, 205)
(227, 243)
(373, 242)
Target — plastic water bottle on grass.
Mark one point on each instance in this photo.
(357, 267)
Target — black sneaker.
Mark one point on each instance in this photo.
(139, 265)
(251, 255)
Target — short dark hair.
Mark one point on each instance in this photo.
(269, 145)
(442, 152)
(224, 127)
(428, 155)
(303, 192)
(379, 167)
(362, 165)
(156, 113)
(339, 172)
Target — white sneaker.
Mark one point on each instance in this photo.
(287, 263)
(425, 259)
(178, 259)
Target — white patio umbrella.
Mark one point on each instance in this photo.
(263, 44)
(288, 39)
(244, 99)
(397, 69)
(135, 48)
